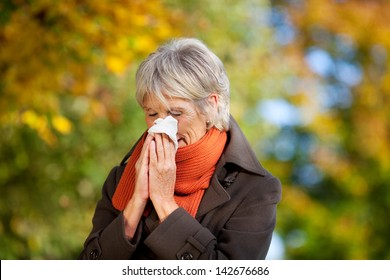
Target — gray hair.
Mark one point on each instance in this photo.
(186, 68)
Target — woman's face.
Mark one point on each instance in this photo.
(191, 124)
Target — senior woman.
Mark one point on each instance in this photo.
(206, 198)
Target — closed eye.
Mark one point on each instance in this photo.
(174, 113)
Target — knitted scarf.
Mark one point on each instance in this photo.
(195, 164)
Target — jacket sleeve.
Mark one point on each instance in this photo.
(107, 239)
(246, 234)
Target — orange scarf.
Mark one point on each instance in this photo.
(195, 164)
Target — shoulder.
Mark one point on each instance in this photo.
(265, 188)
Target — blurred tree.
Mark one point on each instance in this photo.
(67, 113)
(67, 117)
(55, 48)
(336, 161)
(65, 68)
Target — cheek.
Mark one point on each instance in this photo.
(188, 127)
(184, 127)
(180, 127)
(149, 122)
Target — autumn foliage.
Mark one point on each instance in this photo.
(54, 48)
(68, 113)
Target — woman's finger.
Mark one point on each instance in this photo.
(144, 155)
(159, 147)
(152, 152)
(170, 151)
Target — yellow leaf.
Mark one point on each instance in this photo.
(145, 43)
(116, 64)
(62, 124)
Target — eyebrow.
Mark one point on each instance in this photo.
(176, 108)
(170, 109)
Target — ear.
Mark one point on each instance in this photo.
(213, 100)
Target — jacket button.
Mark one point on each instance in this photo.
(93, 255)
(187, 256)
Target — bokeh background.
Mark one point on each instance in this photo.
(310, 87)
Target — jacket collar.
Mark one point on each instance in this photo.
(238, 152)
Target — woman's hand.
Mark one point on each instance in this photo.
(162, 175)
(136, 205)
(141, 188)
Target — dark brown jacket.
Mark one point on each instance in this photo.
(235, 219)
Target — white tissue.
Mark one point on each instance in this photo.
(167, 126)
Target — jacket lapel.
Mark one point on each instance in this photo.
(214, 196)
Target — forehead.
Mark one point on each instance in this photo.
(170, 103)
